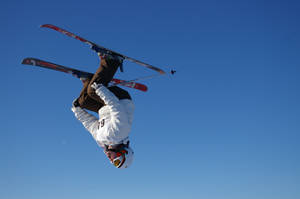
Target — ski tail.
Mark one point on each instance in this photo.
(81, 74)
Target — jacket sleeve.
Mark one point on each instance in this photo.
(89, 121)
(108, 97)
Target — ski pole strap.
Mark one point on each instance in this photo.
(121, 67)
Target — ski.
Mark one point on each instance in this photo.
(103, 49)
(81, 74)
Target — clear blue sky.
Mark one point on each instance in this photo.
(225, 127)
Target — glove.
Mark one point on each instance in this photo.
(75, 103)
(96, 86)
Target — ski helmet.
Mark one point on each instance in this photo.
(124, 158)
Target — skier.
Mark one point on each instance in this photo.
(115, 109)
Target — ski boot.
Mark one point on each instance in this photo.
(108, 55)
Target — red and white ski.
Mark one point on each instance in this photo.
(103, 49)
(81, 74)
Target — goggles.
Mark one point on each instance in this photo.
(120, 159)
(117, 162)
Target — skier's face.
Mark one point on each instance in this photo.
(111, 155)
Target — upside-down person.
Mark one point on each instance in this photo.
(115, 109)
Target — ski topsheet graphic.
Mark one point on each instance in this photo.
(103, 49)
(81, 74)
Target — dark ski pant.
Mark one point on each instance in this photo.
(88, 99)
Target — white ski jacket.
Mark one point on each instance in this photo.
(115, 119)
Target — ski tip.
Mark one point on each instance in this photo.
(45, 25)
(30, 61)
(48, 26)
(26, 61)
